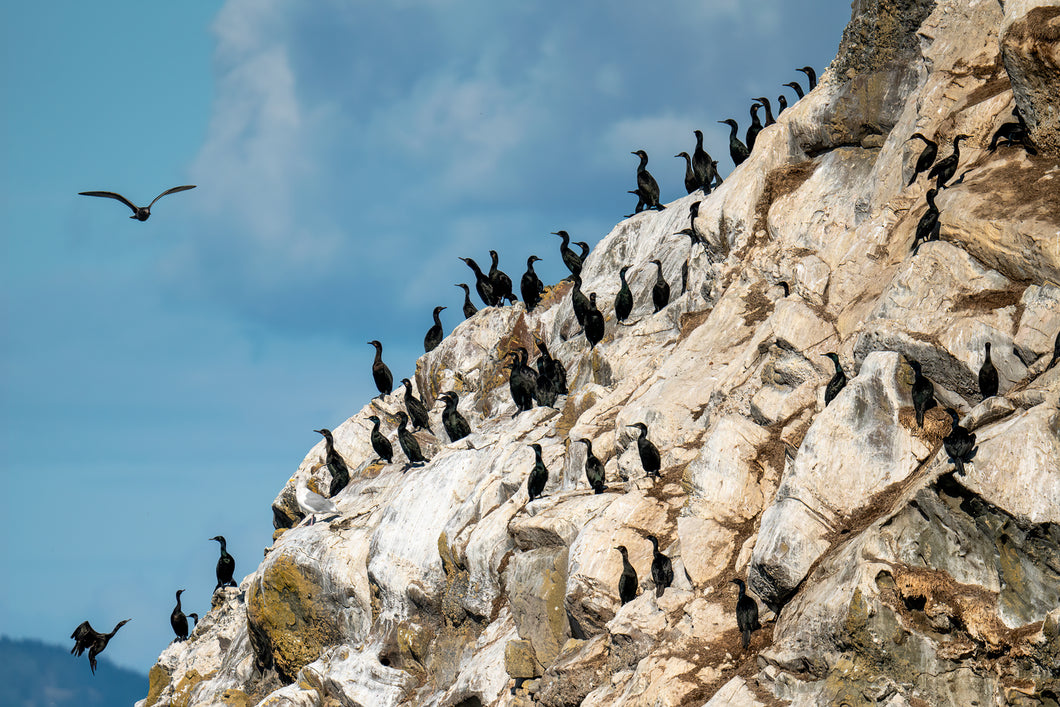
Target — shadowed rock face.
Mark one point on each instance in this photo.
(1030, 47)
(896, 581)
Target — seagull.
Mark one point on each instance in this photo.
(140, 213)
(313, 503)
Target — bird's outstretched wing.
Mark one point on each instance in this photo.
(174, 190)
(110, 195)
(84, 635)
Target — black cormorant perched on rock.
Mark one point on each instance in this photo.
(746, 613)
(545, 392)
(226, 565)
(692, 232)
(567, 255)
(662, 570)
(624, 298)
(838, 382)
(796, 88)
(86, 637)
(383, 449)
(647, 188)
(769, 110)
(660, 291)
(782, 103)
(584, 248)
(340, 473)
(594, 322)
(959, 443)
(531, 287)
(627, 581)
(178, 620)
(483, 285)
(408, 442)
(945, 168)
(691, 183)
(535, 483)
(987, 376)
(469, 307)
(753, 129)
(434, 334)
(702, 165)
(521, 381)
(194, 620)
(929, 222)
(384, 379)
(418, 413)
(594, 469)
(551, 367)
(1056, 352)
(455, 424)
(1016, 133)
(140, 213)
(649, 453)
(923, 393)
(502, 284)
(737, 150)
(811, 76)
(926, 158)
(578, 301)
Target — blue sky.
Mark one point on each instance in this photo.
(160, 381)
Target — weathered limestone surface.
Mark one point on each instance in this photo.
(882, 577)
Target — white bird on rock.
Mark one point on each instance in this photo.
(312, 503)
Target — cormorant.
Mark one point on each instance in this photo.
(923, 393)
(649, 453)
(408, 442)
(483, 285)
(662, 570)
(502, 284)
(926, 158)
(194, 620)
(584, 248)
(434, 334)
(535, 483)
(746, 613)
(86, 637)
(140, 213)
(568, 256)
(782, 101)
(838, 382)
(691, 231)
(647, 188)
(384, 379)
(811, 76)
(455, 424)
(594, 468)
(312, 503)
(753, 129)
(959, 443)
(553, 368)
(1014, 134)
(737, 150)
(796, 88)
(340, 473)
(702, 165)
(469, 307)
(660, 291)
(178, 620)
(1056, 352)
(627, 581)
(691, 183)
(522, 381)
(531, 287)
(987, 376)
(417, 410)
(545, 392)
(578, 301)
(624, 298)
(945, 168)
(925, 229)
(769, 110)
(594, 322)
(226, 565)
(383, 449)
(717, 176)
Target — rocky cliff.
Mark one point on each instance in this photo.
(883, 577)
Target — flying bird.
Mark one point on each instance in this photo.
(86, 637)
(140, 213)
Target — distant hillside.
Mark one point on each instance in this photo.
(34, 674)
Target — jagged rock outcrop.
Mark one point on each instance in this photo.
(884, 577)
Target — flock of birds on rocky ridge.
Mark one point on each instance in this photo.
(543, 386)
